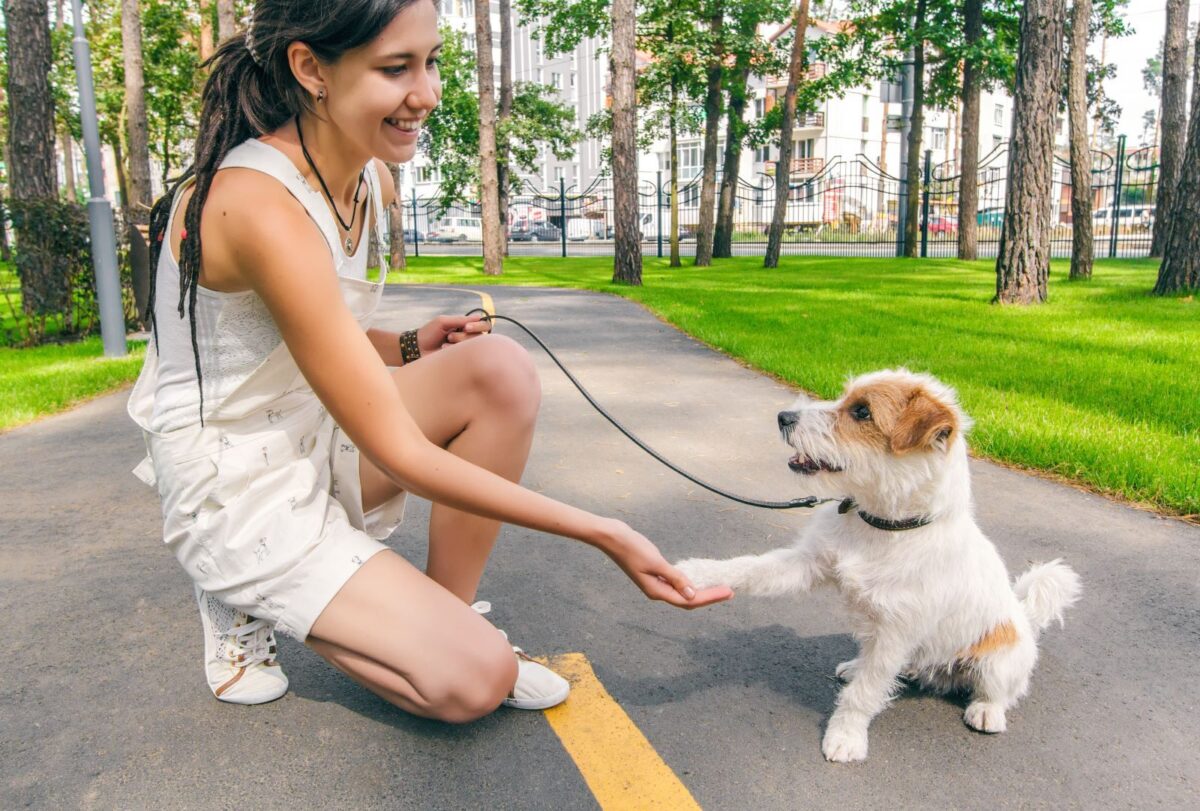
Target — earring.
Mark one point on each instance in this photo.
(321, 94)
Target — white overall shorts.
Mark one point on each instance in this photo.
(262, 505)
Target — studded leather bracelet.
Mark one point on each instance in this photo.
(410, 350)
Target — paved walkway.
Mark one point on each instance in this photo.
(103, 704)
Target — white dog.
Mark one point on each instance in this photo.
(930, 596)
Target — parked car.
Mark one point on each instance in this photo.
(991, 217)
(942, 224)
(457, 229)
(542, 232)
(412, 235)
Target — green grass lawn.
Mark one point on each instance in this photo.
(47, 379)
(1100, 386)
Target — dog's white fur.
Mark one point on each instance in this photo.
(934, 603)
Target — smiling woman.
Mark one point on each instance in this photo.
(281, 443)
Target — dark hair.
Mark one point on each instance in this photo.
(251, 91)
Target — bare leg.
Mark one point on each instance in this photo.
(479, 400)
(411, 638)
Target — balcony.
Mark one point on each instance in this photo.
(815, 71)
(807, 166)
(808, 121)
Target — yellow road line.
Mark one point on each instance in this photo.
(617, 762)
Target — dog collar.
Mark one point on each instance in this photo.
(886, 524)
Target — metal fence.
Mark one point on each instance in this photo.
(836, 207)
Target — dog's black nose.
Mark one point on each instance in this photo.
(786, 420)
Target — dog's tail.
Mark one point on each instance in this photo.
(778, 572)
(1046, 590)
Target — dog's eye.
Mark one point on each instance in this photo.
(861, 412)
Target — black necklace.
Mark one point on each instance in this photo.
(328, 196)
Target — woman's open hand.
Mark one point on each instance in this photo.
(649, 570)
(450, 329)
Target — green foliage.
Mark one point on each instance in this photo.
(53, 263)
(450, 136)
(171, 53)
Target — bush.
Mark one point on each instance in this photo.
(53, 261)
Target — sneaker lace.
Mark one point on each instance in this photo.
(250, 643)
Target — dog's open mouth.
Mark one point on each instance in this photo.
(808, 466)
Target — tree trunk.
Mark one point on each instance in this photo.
(1023, 264)
(493, 237)
(712, 129)
(783, 170)
(1180, 269)
(226, 20)
(916, 129)
(1173, 118)
(723, 238)
(5, 249)
(122, 183)
(397, 258)
(627, 251)
(206, 30)
(1081, 156)
(506, 102)
(137, 204)
(968, 183)
(64, 140)
(32, 174)
(674, 137)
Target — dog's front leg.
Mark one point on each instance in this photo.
(780, 571)
(872, 685)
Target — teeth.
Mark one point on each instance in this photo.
(407, 126)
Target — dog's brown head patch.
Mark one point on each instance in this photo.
(895, 416)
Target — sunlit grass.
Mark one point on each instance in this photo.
(1100, 385)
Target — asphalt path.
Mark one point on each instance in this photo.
(103, 703)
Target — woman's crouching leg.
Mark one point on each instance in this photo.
(413, 643)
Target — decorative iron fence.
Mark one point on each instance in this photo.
(836, 207)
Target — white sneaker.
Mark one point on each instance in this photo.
(239, 654)
(538, 687)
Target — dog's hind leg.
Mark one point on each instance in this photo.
(999, 679)
(780, 571)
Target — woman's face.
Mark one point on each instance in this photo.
(378, 95)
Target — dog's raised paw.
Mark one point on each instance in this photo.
(843, 744)
(984, 716)
(702, 572)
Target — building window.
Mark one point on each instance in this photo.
(556, 81)
(937, 139)
(539, 75)
(572, 80)
(803, 149)
(999, 115)
(760, 107)
(997, 140)
(763, 154)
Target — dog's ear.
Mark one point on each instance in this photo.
(924, 424)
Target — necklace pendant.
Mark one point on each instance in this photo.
(349, 245)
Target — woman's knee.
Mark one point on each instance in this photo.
(476, 688)
(507, 377)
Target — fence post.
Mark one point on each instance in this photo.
(925, 205)
(658, 204)
(1118, 177)
(562, 213)
(416, 231)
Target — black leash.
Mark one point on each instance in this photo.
(806, 501)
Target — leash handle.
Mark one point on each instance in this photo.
(803, 501)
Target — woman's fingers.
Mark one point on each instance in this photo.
(658, 588)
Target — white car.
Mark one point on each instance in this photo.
(458, 229)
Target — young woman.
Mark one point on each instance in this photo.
(281, 443)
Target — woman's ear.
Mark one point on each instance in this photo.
(926, 423)
(307, 69)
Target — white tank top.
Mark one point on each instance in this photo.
(234, 331)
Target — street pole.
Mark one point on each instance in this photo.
(100, 215)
